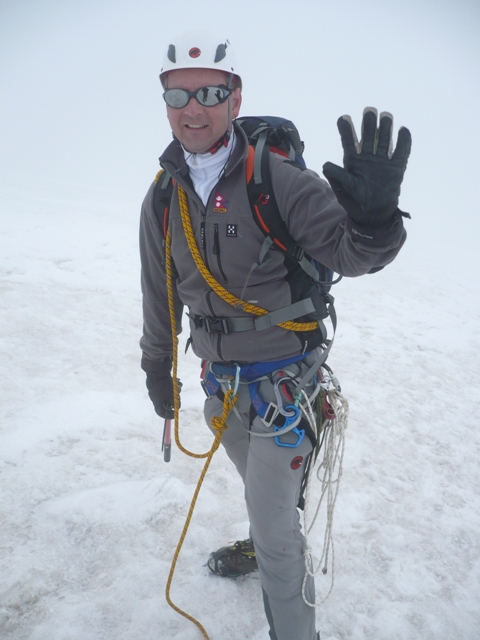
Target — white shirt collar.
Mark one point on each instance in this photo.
(207, 168)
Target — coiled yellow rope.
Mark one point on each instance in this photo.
(216, 286)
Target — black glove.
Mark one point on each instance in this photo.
(160, 389)
(368, 187)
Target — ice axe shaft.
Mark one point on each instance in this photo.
(167, 440)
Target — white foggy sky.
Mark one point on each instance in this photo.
(81, 102)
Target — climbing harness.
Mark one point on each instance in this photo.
(281, 419)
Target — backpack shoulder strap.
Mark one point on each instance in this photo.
(162, 195)
(265, 208)
(249, 163)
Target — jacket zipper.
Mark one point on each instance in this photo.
(203, 240)
(203, 244)
(216, 251)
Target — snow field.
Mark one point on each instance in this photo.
(91, 514)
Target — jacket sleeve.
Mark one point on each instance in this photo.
(320, 225)
(156, 341)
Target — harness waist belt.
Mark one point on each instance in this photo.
(213, 324)
(255, 370)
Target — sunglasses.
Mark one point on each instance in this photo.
(206, 96)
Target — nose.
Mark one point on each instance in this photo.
(193, 107)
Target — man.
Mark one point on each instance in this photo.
(354, 228)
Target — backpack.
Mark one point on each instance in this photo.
(306, 276)
(277, 135)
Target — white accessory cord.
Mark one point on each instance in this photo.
(329, 472)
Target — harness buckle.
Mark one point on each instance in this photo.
(216, 325)
(298, 253)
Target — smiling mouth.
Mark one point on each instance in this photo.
(196, 126)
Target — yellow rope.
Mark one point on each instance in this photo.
(219, 423)
(176, 393)
(216, 286)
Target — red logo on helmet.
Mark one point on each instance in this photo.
(263, 198)
(194, 52)
(296, 462)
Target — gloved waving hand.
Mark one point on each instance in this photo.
(368, 185)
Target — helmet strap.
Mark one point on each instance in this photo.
(223, 141)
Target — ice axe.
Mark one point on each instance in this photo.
(167, 440)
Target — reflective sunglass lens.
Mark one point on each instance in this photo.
(176, 98)
(210, 96)
(206, 96)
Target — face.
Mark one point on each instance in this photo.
(198, 127)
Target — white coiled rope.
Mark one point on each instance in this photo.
(329, 472)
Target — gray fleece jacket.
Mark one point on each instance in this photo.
(230, 241)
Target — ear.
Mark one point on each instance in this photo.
(236, 101)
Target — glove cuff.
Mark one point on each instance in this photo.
(159, 367)
(389, 235)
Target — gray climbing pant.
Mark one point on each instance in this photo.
(272, 476)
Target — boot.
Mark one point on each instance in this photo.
(233, 561)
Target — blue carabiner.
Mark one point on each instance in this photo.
(300, 433)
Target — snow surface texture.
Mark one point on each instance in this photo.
(91, 514)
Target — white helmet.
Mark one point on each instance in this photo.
(200, 50)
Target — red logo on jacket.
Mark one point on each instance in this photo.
(220, 205)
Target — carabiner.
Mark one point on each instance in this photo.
(237, 378)
(294, 418)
